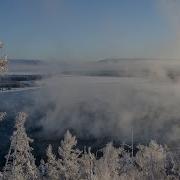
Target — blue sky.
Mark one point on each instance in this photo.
(83, 29)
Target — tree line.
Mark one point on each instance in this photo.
(151, 162)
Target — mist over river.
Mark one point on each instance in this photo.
(98, 107)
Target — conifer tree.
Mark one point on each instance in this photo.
(69, 158)
(42, 169)
(53, 171)
(20, 163)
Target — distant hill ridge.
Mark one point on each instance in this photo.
(116, 60)
(26, 61)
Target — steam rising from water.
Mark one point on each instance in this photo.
(139, 94)
(99, 107)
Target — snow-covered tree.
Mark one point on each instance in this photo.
(53, 171)
(127, 167)
(42, 170)
(87, 163)
(3, 59)
(69, 158)
(107, 167)
(20, 163)
(2, 116)
(152, 160)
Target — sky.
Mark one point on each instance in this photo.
(85, 29)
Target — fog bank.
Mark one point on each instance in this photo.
(109, 107)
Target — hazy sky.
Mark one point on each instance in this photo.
(83, 29)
